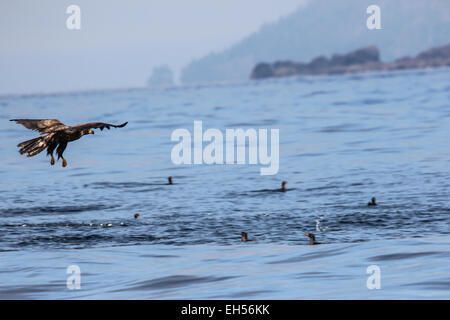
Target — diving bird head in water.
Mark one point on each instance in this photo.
(312, 238)
(244, 236)
(373, 202)
(283, 186)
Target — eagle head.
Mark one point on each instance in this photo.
(86, 131)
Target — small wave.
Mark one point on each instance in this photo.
(246, 294)
(85, 240)
(349, 127)
(32, 211)
(121, 185)
(401, 256)
(431, 285)
(321, 254)
(323, 188)
(175, 281)
(317, 93)
(372, 101)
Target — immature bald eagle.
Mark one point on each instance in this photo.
(56, 135)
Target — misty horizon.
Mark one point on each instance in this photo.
(118, 44)
(175, 43)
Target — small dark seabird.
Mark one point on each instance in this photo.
(56, 135)
(244, 236)
(312, 239)
(137, 215)
(282, 189)
(170, 180)
(372, 202)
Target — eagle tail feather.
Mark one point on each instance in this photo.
(33, 146)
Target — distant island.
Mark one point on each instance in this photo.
(161, 76)
(361, 60)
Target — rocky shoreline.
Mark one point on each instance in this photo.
(361, 60)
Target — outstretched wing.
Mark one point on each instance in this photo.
(97, 125)
(42, 125)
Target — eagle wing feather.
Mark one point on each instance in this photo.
(42, 125)
(96, 125)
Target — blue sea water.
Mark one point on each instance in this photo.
(343, 139)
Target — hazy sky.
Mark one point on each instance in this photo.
(120, 41)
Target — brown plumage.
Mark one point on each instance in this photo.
(244, 236)
(312, 239)
(56, 135)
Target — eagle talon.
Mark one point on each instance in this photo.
(64, 163)
(52, 161)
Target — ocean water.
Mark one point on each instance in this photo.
(343, 140)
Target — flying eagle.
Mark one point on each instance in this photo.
(56, 135)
